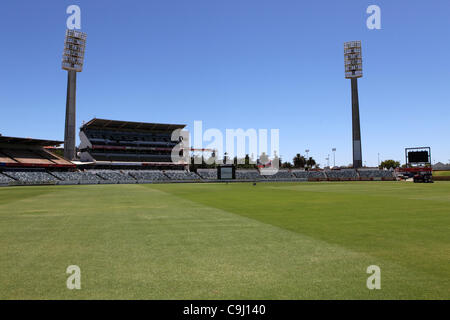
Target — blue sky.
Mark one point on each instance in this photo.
(237, 64)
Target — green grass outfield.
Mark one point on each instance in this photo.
(226, 241)
(441, 173)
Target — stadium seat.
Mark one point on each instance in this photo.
(26, 156)
(180, 175)
(342, 174)
(30, 177)
(77, 177)
(5, 179)
(251, 174)
(373, 174)
(280, 175)
(116, 176)
(207, 174)
(147, 175)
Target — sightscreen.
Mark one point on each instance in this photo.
(226, 173)
(417, 156)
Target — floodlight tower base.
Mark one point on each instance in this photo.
(356, 128)
(69, 133)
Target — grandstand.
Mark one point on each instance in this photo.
(116, 176)
(30, 177)
(207, 174)
(179, 175)
(112, 148)
(317, 175)
(373, 174)
(114, 144)
(26, 161)
(250, 174)
(144, 176)
(27, 152)
(342, 175)
(5, 179)
(281, 175)
(77, 177)
(108, 176)
(302, 175)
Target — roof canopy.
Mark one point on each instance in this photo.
(29, 141)
(105, 124)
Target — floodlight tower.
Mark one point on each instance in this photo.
(72, 61)
(353, 71)
(334, 157)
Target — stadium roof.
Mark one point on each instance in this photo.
(130, 125)
(30, 141)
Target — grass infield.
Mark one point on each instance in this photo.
(226, 241)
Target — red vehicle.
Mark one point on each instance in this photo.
(419, 174)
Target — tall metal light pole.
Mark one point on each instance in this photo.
(353, 71)
(72, 61)
(307, 158)
(334, 157)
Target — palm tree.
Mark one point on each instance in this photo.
(310, 162)
(299, 161)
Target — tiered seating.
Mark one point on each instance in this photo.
(314, 175)
(181, 175)
(207, 174)
(109, 156)
(25, 156)
(82, 177)
(126, 141)
(52, 157)
(371, 174)
(301, 174)
(387, 174)
(108, 137)
(5, 159)
(31, 177)
(5, 179)
(344, 174)
(280, 175)
(248, 175)
(112, 175)
(147, 175)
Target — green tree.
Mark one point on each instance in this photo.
(310, 162)
(388, 164)
(247, 161)
(57, 151)
(286, 165)
(299, 161)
